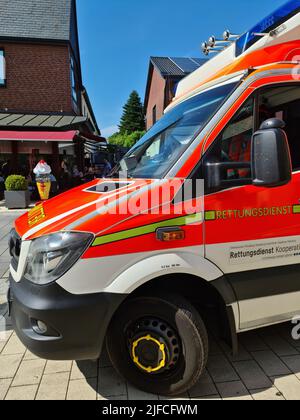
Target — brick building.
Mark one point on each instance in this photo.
(44, 107)
(163, 77)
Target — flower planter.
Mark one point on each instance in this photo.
(17, 199)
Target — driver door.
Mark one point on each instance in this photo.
(253, 233)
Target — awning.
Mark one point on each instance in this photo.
(42, 121)
(64, 136)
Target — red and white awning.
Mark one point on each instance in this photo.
(63, 136)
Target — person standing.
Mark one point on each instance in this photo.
(107, 168)
(6, 169)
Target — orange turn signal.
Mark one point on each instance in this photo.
(170, 234)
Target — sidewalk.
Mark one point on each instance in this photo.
(4, 209)
(267, 366)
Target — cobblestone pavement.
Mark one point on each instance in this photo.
(267, 366)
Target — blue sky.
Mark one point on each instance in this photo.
(117, 37)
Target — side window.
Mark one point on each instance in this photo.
(234, 144)
(2, 68)
(235, 141)
(154, 115)
(284, 102)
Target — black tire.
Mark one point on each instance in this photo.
(184, 320)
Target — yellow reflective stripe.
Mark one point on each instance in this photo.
(296, 209)
(144, 230)
(210, 215)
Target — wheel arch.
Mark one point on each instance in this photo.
(214, 300)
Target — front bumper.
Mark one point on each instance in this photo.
(76, 325)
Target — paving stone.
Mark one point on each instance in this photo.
(118, 398)
(233, 391)
(9, 366)
(280, 346)
(3, 268)
(135, 394)
(4, 387)
(2, 345)
(270, 363)
(3, 248)
(214, 347)
(83, 390)
(204, 388)
(3, 286)
(30, 356)
(220, 369)
(22, 393)
(53, 387)
(29, 372)
(57, 367)
(110, 383)
(3, 303)
(212, 398)
(104, 360)
(286, 334)
(289, 386)
(269, 394)
(242, 355)
(183, 397)
(84, 370)
(252, 375)
(6, 334)
(252, 342)
(14, 346)
(293, 363)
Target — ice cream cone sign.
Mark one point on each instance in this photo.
(43, 182)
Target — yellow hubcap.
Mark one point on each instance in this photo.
(161, 348)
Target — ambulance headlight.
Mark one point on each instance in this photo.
(50, 257)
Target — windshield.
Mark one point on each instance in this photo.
(165, 142)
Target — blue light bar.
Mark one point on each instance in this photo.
(271, 22)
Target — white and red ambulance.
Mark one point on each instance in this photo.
(150, 282)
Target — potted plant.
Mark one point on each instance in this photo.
(16, 194)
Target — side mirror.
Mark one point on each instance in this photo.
(271, 160)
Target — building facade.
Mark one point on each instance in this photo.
(163, 77)
(41, 88)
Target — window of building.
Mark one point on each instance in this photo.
(2, 68)
(154, 115)
(74, 82)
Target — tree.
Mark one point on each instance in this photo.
(126, 140)
(133, 118)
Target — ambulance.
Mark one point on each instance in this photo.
(100, 266)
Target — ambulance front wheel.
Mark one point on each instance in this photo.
(159, 344)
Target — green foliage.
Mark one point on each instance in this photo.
(125, 139)
(16, 183)
(133, 118)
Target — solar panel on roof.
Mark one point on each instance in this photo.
(186, 64)
(200, 61)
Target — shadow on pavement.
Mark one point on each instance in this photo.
(267, 367)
